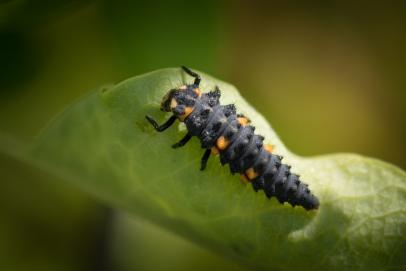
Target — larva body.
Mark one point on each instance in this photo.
(224, 132)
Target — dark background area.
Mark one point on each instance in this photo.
(328, 75)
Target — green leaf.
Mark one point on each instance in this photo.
(104, 144)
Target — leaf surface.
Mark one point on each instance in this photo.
(104, 144)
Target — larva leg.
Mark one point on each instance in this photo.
(183, 141)
(205, 158)
(164, 126)
(193, 74)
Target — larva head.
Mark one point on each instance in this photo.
(167, 101)
(180, 101)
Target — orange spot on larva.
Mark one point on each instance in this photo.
(222, 143)
(251, 174)
(197, 91)
(214, 151)
(243, 121)
(186, 113)
(268, 147)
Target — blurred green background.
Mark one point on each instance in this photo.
(328, 75)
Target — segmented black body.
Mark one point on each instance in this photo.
(219, 128)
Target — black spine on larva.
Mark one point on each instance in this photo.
(210, 120)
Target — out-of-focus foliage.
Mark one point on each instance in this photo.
(117, 156)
